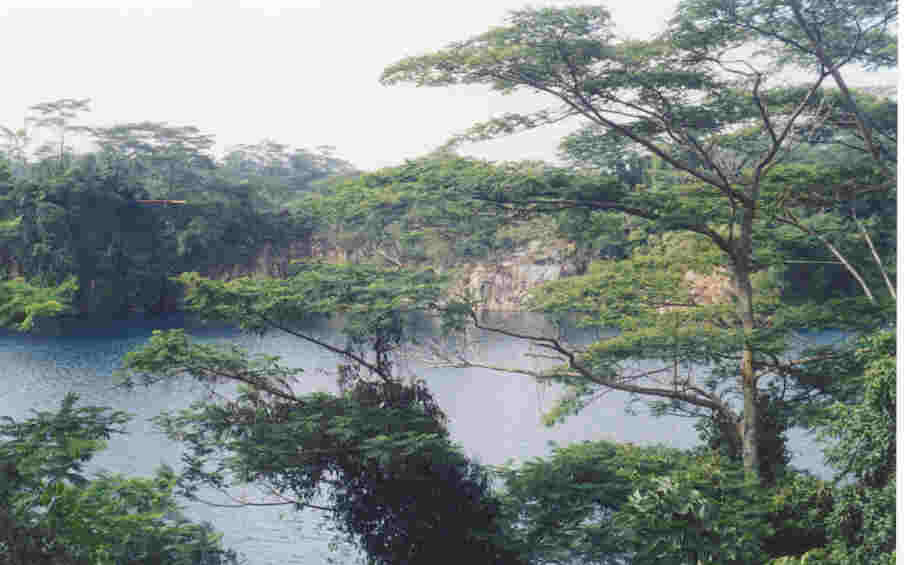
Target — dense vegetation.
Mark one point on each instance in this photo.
(52, 514)
(696, 157)
(67, 216)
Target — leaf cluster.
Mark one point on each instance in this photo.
(377, 456)
(51, 512)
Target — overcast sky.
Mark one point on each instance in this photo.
(304, 73)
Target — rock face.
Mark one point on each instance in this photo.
(8, 265)
(503, 285)
(716, 288)
(269, 261)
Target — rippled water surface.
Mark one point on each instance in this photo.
(495, 416)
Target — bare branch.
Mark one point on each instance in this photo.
(343, 352)
(791, 220)
(869, 241)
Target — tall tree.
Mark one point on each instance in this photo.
(57, 115)
(15, 147)
(812, 35)
(282, 175)
(173, 157)
(686, 98)
(820, 37)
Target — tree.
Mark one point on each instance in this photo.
(814, 36)
(174, 158)
(84, 224)
(52, 513)
(604, 502)
(416, 214)
(83, 220)
(379, 452)
(862, 523)
(22, 304)
(15, 147)
(280, 175)
(824, 37)
(601, 502)
(706, 512)
(719, 122)
(56, 115)
(563, 508)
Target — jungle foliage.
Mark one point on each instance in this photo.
(52, 513)
(75, 215)
(377, 457)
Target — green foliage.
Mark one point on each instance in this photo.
(64, 214)
(379, 453)
(799, 505)
(123, 520)
(706, 511)
(661, 318)
(862, 524)
(442, 210)
(599, 502)
(378, 306)
(403, 211)
(170, 354)
(691, 135)
(865, 432)
(604, 502)
(23, 304)
(280, 176)
(775, 417)
(84, 224)
(56, 116)
(694, 163)
(52, 512)
(803, 34)
(167, 158)
(562, 508)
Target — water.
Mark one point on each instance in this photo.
(495, 416)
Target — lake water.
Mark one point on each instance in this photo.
(495, 416)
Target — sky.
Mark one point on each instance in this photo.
(303, 73)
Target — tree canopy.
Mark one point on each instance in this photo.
(52, 513)
(724, 125)
(66, 214)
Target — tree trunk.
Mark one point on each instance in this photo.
(744, 289)
(749, 437)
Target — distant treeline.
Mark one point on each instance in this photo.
(75, 216)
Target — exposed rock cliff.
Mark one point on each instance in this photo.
(716, 288)
(8, 265)
(503, 285)
(268, 261)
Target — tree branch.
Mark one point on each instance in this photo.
(791, 220)
(869, 241)
(343, 352)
